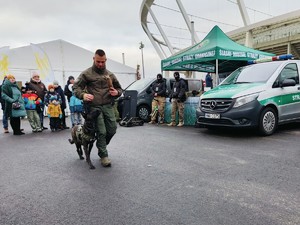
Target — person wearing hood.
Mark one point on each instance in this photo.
(40, 89)
(14, 103)
(178, 97)
(63, 104)
(158, 90)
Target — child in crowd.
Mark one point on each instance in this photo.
(76, 108)
(51, 92)
(32, 101)
(54, 113)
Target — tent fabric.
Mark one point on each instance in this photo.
(215, 48)
(66, 59)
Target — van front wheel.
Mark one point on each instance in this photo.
(268, 122)
(143, 112)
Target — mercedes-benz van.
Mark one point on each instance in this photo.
(261, 95)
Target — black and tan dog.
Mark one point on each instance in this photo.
(85, 135)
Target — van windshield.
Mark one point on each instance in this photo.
(257, 73)
(140, 84)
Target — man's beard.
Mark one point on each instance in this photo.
(98, 70)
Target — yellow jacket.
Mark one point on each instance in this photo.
(54, 110)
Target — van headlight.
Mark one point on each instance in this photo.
(244, 100)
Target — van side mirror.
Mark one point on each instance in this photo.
(288, 83)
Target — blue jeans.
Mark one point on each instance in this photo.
(4, 121)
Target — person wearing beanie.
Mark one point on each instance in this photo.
(14, 103)
(158, 90)
(40, 89)
(76, 108)
(51, 92)
(177, 98)
(54, 113)
(63, 103)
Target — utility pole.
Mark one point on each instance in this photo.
(141, 47)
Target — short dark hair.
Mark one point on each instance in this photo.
(100, 52)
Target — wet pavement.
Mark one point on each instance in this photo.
(159, 175)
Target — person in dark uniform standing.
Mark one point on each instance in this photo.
(158, 90)
(178, 97)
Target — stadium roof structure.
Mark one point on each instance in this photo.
(278, 35)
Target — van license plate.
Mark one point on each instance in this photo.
(212, 116)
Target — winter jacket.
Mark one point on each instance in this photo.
(54, 111)
(31, 101)
(1, 99)
(67, 91)
(159, 87)
(92, 82)
(208, 81)
(49, 95)
(39, 88)
(60, 91)
(178, 90)
(76, 105)
(11, 93)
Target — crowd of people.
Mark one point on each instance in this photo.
(32, 100)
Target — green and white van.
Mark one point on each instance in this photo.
(261, 95)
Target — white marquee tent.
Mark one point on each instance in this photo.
(66, 59)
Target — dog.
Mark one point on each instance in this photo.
(85, 135)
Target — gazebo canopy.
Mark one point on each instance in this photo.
(215, 53)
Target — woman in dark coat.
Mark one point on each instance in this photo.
(14, 103)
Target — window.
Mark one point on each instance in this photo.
(290, 71)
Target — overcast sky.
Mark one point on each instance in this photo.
(114, 25)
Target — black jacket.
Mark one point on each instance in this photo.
(159, 87)
(178, 90)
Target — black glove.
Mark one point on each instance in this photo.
(178, 100)
(170, 100)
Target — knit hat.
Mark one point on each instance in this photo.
(10, 77)
(50, 86)
(159, 76)
(55, 82)
(52, 98)
(35, 74)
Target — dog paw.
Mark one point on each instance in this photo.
(81, 158)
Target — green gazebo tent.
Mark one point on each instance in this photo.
(216, 53)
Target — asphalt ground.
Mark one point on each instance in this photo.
(159, 175)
